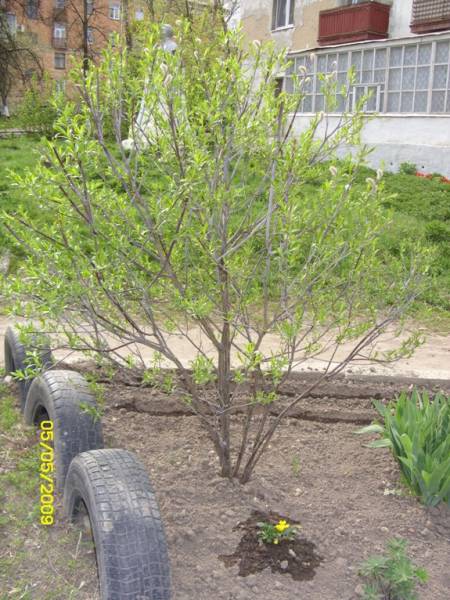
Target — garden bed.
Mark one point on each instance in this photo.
(346, 497)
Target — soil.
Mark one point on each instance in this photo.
(347, 497)
(296, 557)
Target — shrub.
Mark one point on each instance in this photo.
(407, 168)
(37, 112)
(417, 431)
(209, 230)
(392, 576)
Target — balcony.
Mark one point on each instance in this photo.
(430, 15)
(59, 42)
(354, 23)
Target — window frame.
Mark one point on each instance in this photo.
(55, 62)
(289, 14)
(59, 27)
(32, 9)
(404, 80)
(11, 21)
(114, 9)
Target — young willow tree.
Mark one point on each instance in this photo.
(226, 229)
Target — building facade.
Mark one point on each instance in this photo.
(56, 31)
(399, 53)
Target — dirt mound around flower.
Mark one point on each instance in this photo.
(296, 557)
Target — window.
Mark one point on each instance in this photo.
(60, 60)
(31, 9)
(90, 35)
(412, 77)
(139, 14)
(60, 4)
(59, 31)
(114, 12)
(283, 13)
(12, 22)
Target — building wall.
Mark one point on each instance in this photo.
(423, 139)
(400, 18)
(394, 139)
(38, 33)
(257, 20)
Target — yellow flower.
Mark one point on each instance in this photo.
(281, 526)
(275, 541)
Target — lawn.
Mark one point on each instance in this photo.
(420, 210)
(49, 563)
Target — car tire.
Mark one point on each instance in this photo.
(113, 487)
(16, 359)
(64, 398)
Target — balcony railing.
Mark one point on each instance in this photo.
(430, 15)
(60, 42)
(354, 23)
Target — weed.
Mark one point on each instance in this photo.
(392, 576)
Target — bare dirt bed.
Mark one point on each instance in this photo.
(347, 497)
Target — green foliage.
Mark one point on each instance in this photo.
(95, 412)
(295, 465)
(417, 430)
(218, 226)
(97, 390)
(8, 414)
(37, 112)
(203, 370)
(274, 533)
(18, 154)
(33, 366)
(407, 168)
(392, 576)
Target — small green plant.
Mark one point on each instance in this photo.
(33, 366)
(295, 464)
(95, 412)
(407, 168)
(274, 534)
(392, 576)
(97, 389)
(417, 430)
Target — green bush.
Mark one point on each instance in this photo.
(392, 576)
(36, 110)
(417, 431)
(408, 168)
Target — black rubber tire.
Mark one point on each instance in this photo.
(75, 429)
(132, 557)
(15, 359)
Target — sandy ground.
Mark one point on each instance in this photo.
(431, 360)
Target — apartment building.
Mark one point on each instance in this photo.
(58, 30)
(399, 51)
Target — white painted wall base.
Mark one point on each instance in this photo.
(420, 139)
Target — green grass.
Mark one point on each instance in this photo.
(48, 563)
(17, 154)
(420, 209)
(10, 123)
